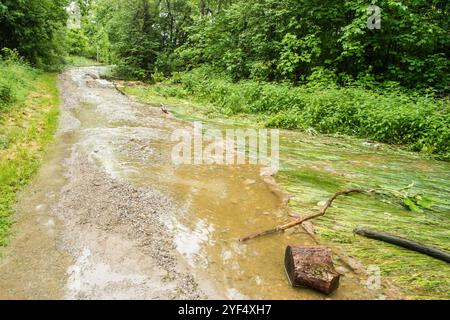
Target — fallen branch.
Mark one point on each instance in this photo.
(305, 218)
(119, 90)
(405, 243)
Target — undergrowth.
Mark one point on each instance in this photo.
(387, 114)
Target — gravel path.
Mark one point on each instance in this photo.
(107, 239)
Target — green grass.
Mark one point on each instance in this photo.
(27, 125)
(78, 61)
(314, 166)
(15, 83)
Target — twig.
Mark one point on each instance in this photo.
(395, 192)
(305, 218)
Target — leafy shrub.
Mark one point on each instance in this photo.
(17, 77)
(11, 56)
(158, 77)
(77, 42)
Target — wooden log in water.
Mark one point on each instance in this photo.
(312, 267)
(405, 243)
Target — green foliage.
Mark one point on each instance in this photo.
(267, 40)
(6, 95)
(271, 40)
(419, 122)
(17, 77)
(296, 55)
(36, 28)
(139, 36)
(290, 39)
(77, 42)
(417, 202)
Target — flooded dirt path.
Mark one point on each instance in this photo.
(109, 216)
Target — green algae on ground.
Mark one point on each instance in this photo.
(361, 165)
(315, 166)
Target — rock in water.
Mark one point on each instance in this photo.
(312, 267)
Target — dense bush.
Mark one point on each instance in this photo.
(77, 42)
(422, 123)
(276, 40)
(36, 28)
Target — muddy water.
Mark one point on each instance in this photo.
(315, 166)
(61, 251)
(223, 203)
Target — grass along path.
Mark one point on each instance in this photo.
(417, 122)
(26, 127)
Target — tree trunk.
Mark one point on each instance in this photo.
(202, 7)
(405, 243)
(312, 267)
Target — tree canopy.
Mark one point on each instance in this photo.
(36, 28)
(267, 40)
(271, 40)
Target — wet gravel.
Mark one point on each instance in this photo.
(92, 199)
(98, 208)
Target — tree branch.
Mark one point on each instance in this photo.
(305, 218)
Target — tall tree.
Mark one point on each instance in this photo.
(36, 28)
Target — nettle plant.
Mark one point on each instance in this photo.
(412, 201)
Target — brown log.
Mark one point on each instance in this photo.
(311, 267)
(302, 219)
(405, 243)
